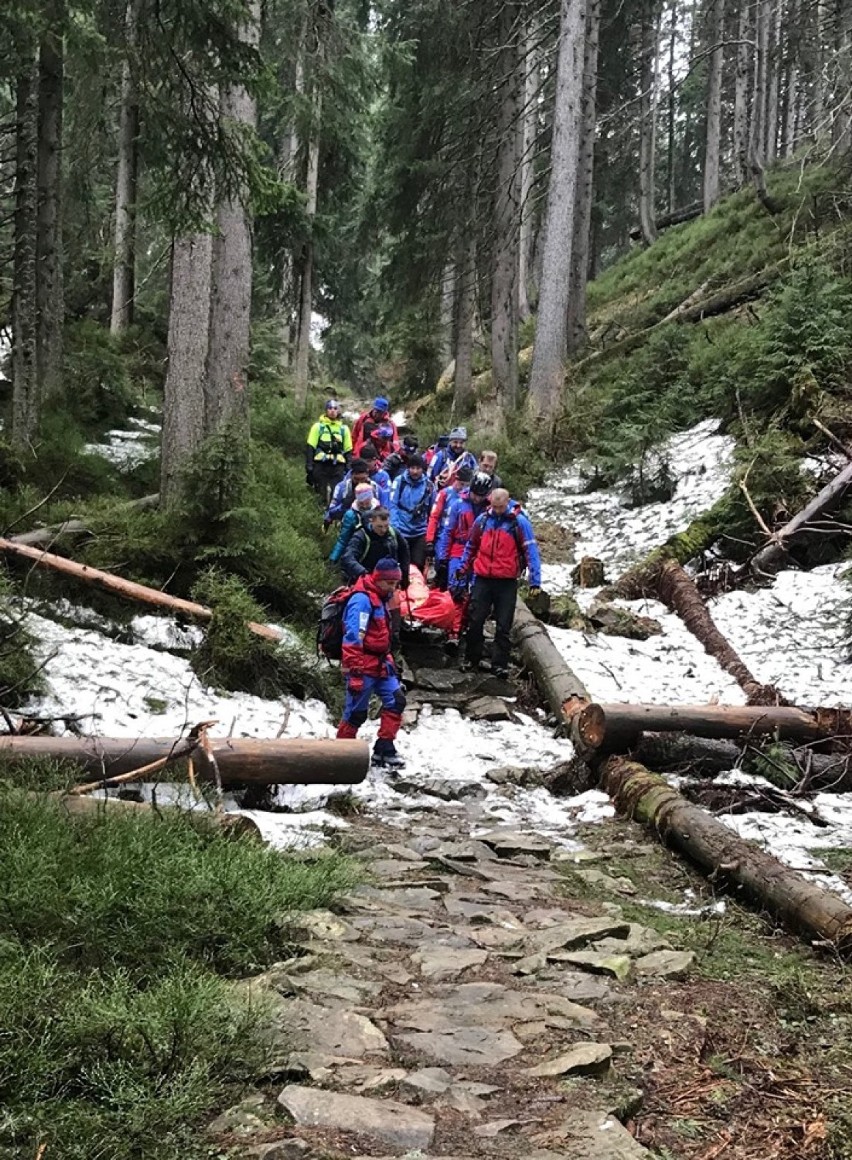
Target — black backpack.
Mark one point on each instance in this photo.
(330, 626)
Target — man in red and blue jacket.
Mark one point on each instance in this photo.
(367, 662)
(501, 546)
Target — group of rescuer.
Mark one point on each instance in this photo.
(444, 511)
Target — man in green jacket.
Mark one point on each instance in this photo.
(328, 451)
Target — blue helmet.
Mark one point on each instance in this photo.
(332, 405)
(380, 404)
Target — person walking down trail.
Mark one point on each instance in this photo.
(379, 478)
(440, 444)
(488, 464)
(412, 495)
(438, 517)
(464, 512)
(368, 666)
(376, 541)
(344, 493)
(358, 516)
(327, 451)
(501, 546)
(378, 415)
(447, 462)
(397, 461)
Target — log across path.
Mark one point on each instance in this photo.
(285, 761)
(127, 589)
(817, 913)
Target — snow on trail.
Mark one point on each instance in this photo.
(790, 634)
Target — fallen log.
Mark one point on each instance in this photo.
(706, 757)
(233, 825)
(564, 691)
(286, 761)
(808, 909)
(616, 728)
(43, 537)
(125, 588)
(774, 555)
(678, 592)
(686, 213)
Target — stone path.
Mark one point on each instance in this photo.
(459, 1006)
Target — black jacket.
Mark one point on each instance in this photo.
(365, 549)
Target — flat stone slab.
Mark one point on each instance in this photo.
(583, 1059)
(465, 1046)
(591, 1135)
(445, 788)
(304, 1026)
(331, 988)
(484, 1005)
(405, 899)
(393, 929)
(440, 680)
(616, 966)
(448, 962)
(510, 843)
(487, 709)
(606, 882)
(665, 964)
(576, 932)
(398, 1125)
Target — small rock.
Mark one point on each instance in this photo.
(394, 1123)
(487, 709)
(368, 1079)
(242, 1119)
(509, 844)
(292, 1149)
(584, 1059)
(576, 932)
(322, 925)
(439, 680)
(597, 1134)
(665, 964)
(444, 788)
(431, 1081)
(598, 878)
(493, 1128)
(618, 966)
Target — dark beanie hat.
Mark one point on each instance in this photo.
(357, 465)
(369, 452)
(464, 474)
(416, 461)
(387, 569)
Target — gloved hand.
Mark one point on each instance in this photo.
(309, 477)
(326, 524)
(430, 550)
(355, 684)
(534, 592)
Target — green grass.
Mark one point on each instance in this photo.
(118, 937)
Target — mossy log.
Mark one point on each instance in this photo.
(127, 589)
(616, 728)
(642, 579)
(707, 756)
(804, 907)
(283, 761)
(564, 691)
(232, 825)
(678, 592)
(44, 537)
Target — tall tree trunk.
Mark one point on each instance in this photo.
(50, 299)
(288, 169)
(548, 367)
(685, 192)
(789, 135)
(124, 261)
(447, 314)
(818, 63)
(226, 380)
(773, 85)
(183, 395)
(306, 298)
(585, 182)
(507, 214)
(532, 83)
(647, 123)
(465, 301)
(714, 105)
(757, 129)
(672, 108)
(25, 385)
(841, 129)
(741, 88)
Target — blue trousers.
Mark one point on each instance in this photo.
(356, 707)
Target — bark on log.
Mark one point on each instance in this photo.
(616, 728)
(564, 691)
(773, 557)
(289, 761)
(678, 592)
(121, 587)
(807, 908)
(686, 213)
(233, 825)
(705, 757)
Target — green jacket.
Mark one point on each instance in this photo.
(328, 439)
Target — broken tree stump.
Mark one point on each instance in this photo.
(808, 909)
(283, 761)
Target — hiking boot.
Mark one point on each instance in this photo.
(385, 756)
(451, 645)
(470, 666)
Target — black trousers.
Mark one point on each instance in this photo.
(501, 596)
(417, 550)
(327, 475)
